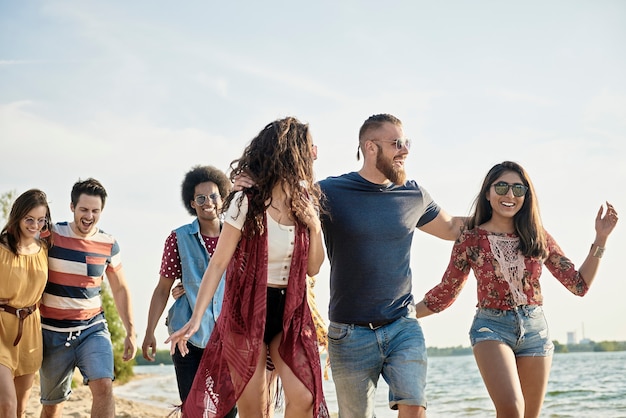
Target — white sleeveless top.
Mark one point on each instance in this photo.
(280, 241)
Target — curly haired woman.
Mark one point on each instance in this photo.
(270, 241)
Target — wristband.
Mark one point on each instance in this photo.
(598, 252)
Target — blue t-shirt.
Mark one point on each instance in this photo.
(368, 232)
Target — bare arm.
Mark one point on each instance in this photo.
(444, 226)
(604, 226)
(157, 306)
(226, 245)
(421, 310)
(121, 296)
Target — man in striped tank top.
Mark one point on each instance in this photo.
(75, 331)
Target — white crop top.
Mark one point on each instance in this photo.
(280, 241)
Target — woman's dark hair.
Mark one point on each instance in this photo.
(201, 174)
(527, 220)
(27, 201)
(280, 154)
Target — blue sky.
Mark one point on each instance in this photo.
(135, 93)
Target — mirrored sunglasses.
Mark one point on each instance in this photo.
(201, 199)
(502, 188)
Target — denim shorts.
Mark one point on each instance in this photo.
(90, 350)
(523, 328)
(359, 355)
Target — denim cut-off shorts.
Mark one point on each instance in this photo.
(523, 328)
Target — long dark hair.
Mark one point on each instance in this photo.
(27, 201)
(527, 221)
(280, 153)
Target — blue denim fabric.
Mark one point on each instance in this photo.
(90, 350)
(360, 355)
(524, 329)
(194, 260)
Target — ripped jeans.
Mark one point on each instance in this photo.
(523, 328)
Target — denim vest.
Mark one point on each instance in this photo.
(194, 259)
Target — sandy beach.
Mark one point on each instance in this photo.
(79, 406)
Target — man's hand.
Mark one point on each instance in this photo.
(178, 291)
(130, 347)
(243, 181)
(149, 347)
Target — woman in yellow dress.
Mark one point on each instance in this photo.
(24, 243)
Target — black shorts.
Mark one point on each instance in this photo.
(274, 316)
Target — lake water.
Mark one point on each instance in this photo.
(582, 385)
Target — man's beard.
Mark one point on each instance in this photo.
(397, 175)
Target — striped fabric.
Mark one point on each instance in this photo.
(76, 266)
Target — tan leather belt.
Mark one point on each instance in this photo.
(21, 313)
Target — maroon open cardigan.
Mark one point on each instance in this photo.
(230, 357)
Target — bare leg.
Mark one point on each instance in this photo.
(103, 404)
(253, 400)
(23, 386)
(498, 368)
(533, 374)
(52, 411)
(8, 397)
(299, 400)
(411, 411)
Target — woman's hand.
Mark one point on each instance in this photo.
(180, 337)
(605, 224)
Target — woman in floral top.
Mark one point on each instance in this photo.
(505, 246)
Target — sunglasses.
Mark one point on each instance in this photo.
(503, 188)
(30, 222)
(201, 199)
(399, 143)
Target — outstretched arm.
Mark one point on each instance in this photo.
(604, 226)
(444, 226)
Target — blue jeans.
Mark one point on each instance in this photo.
(90, 350)
(524, 329)
(360, 355)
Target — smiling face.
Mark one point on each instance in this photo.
(209, 210)
(389, 159)
(32, 224)
(508, 205)
(86, 214)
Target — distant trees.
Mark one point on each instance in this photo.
(6, 201)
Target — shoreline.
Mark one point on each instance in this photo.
(79, 404)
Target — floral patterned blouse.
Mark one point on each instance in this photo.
(505, 277)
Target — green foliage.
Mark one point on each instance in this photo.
(123, 369)
(448, 351)
(161, 357)
(6, 201)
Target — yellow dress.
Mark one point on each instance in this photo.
(22, 281)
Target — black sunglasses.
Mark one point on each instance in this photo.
(201, 199)
(502, 188)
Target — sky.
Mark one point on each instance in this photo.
(136, 93)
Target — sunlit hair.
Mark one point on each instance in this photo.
(90, 187)
(372, 123)
(27, 201)
(280, 154)
(527, 220)
(202, 174)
